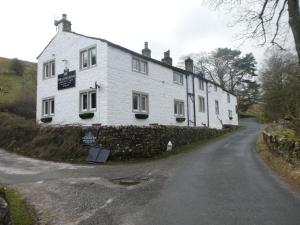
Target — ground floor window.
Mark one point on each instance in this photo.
(179, 108)
(140, 102)
(229, 113)
(88, 101)
(201, 104)
(48, 107)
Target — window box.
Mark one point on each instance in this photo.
(46, 119)
(141, 116)
(180, 119)
(230, 117)
(88, 115)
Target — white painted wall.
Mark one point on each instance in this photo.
(66, 46)
(158, 84)
(114, 99)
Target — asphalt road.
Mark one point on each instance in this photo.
(223, 182)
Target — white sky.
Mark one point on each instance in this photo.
(185, 26)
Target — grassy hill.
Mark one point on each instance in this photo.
(11, 85)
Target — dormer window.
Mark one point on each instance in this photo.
(88, 58)
(49, 69)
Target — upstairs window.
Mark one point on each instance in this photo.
(217, 107)
(49, 69)
(48, 107)
(139, 65)
(177, 78)
(201, 84)
(88, 58)
(140, 102)
(228, 97)
(88, 101)
(216, 87)
(201, 104)
(179, 108)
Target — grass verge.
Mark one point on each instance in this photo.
(290, 173)
(21, 212)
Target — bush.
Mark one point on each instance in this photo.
(23, 106)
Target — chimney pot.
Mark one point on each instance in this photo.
(189, 65)
(167, 59)
(146, 51)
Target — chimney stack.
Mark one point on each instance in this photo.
(63, 24)
(146, 51)
(167, 59)
(189, 65)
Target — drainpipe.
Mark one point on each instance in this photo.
(207, 104)
(193, 77)
(187, 99)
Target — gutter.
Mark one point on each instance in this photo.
(193, 77)
(207, 104)
(187, 99)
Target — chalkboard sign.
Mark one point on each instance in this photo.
(66, 80)
(89, 136)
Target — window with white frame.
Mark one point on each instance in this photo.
(140, 102)
(229, 113)
(139, 65)
(201, 84)
(177, 78)
(49, 69)
(201, 104)
(228, 97)
(88, 101)
(179, 108)
(88, 58)
(48, 107)
(216, 87)
(217, 107)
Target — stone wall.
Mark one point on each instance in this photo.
(287, 148)
(4, 210)
(127, 142)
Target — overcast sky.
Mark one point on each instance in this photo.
(184, 27)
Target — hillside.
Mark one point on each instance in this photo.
(11, 85)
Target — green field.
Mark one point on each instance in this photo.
(13, 86)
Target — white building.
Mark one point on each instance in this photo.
(86, 80)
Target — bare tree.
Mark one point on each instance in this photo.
(267, 20)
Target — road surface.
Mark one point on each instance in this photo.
(223, 182)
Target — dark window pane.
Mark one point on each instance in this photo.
(84, 101)
(135, 102)
(52, 106)
(93, 56)
(93, 100)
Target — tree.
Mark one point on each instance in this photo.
(232, 71)
(266, 20)
(17, 66)
(281, 85)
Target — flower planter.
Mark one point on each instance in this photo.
(86, 115)
(46, 119)
(230, 117)
(141, 116)
(180, 119)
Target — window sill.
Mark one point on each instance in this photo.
(86, 115)
(48, 78)
(141, 115)
(46, 119)
(180, 119)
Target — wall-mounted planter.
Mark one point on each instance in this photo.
(46, 119)
(86, 115)
(141, 116)
(180, 119)
(230, 117)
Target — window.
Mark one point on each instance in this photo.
(216, 87)
(139, 65)
(88, 58)
(228, 97)
(229, 113)
(179, 108)
(48, 107)
(88, 101)
(201, 84)
(140, 102)
(177, 78)
(49, 69)
(217, 107)
(201, 104)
